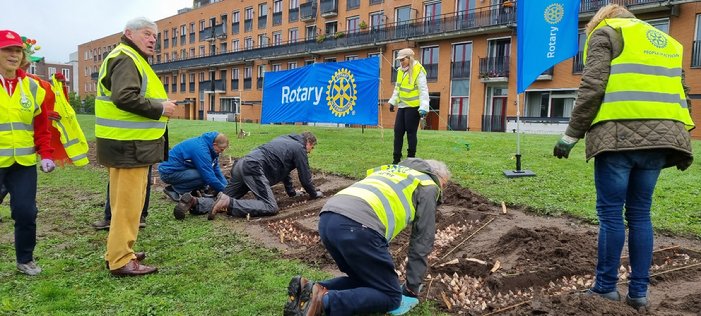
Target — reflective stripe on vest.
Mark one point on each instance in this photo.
(645, 79)
(16, 125)
(389, 192)
(114, 123)
(408, 88)
(72, 137)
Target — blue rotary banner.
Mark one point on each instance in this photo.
(342, 92)
(547, 34)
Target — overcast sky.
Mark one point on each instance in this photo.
(59, 26)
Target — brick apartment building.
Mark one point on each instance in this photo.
(44, 70)
(214, 56)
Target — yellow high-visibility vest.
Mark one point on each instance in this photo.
(389, 191)
(17, 122)
(72, 136)
(408, 89)
(645, 80)
(113, 123)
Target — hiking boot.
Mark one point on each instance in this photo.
(101, 225)
(186, 202)
(612, 296)
(638, 303)
(294, 291)
(311, 299)
(29, 268)
(221, 204)
(170, 192)
(142, 222)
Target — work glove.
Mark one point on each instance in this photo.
(423, 113)
(391, 107)
(54, 116)
(410, 291)
(564, 146)
(47, 165)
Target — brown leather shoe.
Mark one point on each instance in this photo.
(140, 256)
(221, 204)
(311, 299)
(133, 268)
(186, 203)
(294, 292)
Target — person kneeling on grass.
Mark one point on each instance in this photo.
(193, 165)
(260, 169)
(356, 226)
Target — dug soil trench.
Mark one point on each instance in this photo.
(491, 259)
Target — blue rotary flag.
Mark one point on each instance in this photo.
(343, 92)
(546, 34)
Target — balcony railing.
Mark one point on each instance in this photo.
(206, 34)
(328, 8)
(494, 67)
(457, 122)
(696, 54)
(307, 11)
(460, 70)
(455, 24)
(219, 31)
(578, 63)
(431, 72)
(293, 15)
(591, 6)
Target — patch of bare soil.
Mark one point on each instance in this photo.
(493, 259)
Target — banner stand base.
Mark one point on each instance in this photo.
(518, 173)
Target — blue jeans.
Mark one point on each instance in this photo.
(626, 178)
(184, 181)
(371, 285)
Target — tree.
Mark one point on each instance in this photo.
(74, 101)
(89, 104)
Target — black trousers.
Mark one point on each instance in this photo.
(21, 183)
(247, 175)
(407, 121)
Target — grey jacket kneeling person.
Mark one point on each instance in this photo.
(260, 169)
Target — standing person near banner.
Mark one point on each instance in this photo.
(131, 116)
(24, 133)
(411, 97)
(356, 226)
(633, 108)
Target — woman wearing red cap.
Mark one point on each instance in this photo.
(23, 134)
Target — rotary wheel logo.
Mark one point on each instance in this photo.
(656, 38)
(553, 13)
(341, 93)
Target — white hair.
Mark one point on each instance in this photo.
(140, 23)
(439, 169)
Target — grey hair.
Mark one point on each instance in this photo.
(140, 23)
(439, 169)
(309, 138)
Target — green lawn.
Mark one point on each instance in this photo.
(207, 269)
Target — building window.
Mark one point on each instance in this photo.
(351, 57)
(277, 38)
(234, 78)
(311, 32)
(551, 104)
(402, 15)
(377, 20)
(429, 59)
(235, 45)
(352, 24)
(248, 43)
(201, 50)
(66, 74)
(353, 4)
(276, 67)
(247, 73)
(292, 65)
(293, 35)
(660, 24)
(261, 75)
(331, 28)
(262, 40)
